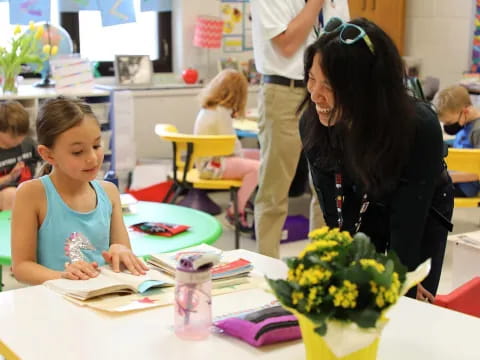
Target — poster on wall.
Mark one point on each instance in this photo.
(476, 42)
(232, 16)
(76, 5)
(22, 12)
(247, 27)
(115, 12)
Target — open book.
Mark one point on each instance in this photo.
(108, 282)
(230, 265)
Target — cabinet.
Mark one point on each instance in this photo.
(32, 98)
(388, 14)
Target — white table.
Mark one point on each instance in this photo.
(38, 324)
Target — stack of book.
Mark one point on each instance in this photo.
(230, 266)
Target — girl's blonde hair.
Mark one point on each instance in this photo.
(229, 89)
(57, 116)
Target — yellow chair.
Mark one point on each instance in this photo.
(463, 166)
(187, 149)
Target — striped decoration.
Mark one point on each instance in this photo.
(208, 32)
(476, 42)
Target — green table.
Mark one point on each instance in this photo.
(204, 228)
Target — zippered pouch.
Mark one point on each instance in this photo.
(262, 327)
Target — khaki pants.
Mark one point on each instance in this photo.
(280, 148)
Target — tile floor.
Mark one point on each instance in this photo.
(466, 219)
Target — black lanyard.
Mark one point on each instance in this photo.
(339, 202)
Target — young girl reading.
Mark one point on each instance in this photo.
(224, 99)
(66, 224)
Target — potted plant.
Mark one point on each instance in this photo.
(340, 288)
(24, 48)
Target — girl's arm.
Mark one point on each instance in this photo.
(25, 223)
(120, 251)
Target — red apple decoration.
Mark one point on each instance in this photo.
(190, 76)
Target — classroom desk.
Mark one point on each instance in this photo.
(38, 324)
(204, 228)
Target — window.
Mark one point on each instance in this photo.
(150, 35)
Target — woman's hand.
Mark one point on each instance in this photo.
(119, 255)
(424, 295)
(80, 270)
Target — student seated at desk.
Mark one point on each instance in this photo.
(224, 99)
(66, 224)
(18, 154)
(462, 119)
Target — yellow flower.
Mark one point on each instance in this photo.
(31, 26)
(313, 276)
(329, 255)
(296, 297)
(318, 232)
(46, 49)
(317, 245)
(54, 50)
(312, 299)
(372, 263)
(17, 30)
(39, 32)
(386, 296)
(344, 296)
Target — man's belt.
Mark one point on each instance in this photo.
(280, 80)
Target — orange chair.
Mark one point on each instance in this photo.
(465, 298)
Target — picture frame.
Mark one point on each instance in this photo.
(133, 70)
(229, 63)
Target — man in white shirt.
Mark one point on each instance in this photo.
(282, 29)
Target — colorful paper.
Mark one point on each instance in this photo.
(208, 32)
(77, 5)
(156, 5)
(116, 12)
(24, 11)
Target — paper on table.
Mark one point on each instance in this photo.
(163, 296)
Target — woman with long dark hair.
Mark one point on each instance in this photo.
(375, 153)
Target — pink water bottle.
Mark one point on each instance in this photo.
(193, 301)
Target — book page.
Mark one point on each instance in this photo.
(102, 284)
(153, 278)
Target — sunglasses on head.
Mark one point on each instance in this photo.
(349, 33)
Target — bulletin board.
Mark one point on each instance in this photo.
(237, 26)
(476, 41)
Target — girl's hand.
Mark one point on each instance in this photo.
(424, 295)
(80, 270)
(119, 255)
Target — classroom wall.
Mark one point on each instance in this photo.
(440, 33)
(185, 54)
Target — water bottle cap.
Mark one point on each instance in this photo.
(197, 262)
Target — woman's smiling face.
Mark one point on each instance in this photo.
(320, 91)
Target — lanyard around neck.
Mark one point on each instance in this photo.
(339, 202)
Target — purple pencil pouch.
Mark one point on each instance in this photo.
(262, 327)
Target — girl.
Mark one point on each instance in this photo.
(375, 153)
(224, 99)
(66, 224)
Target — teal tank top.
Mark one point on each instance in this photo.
(61, 221)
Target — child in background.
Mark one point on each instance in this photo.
(224, 99)
(18, 155)
(462, 119)
(66, 224)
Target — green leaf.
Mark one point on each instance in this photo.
(282, 290)
(321, 329)
(365, 318)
